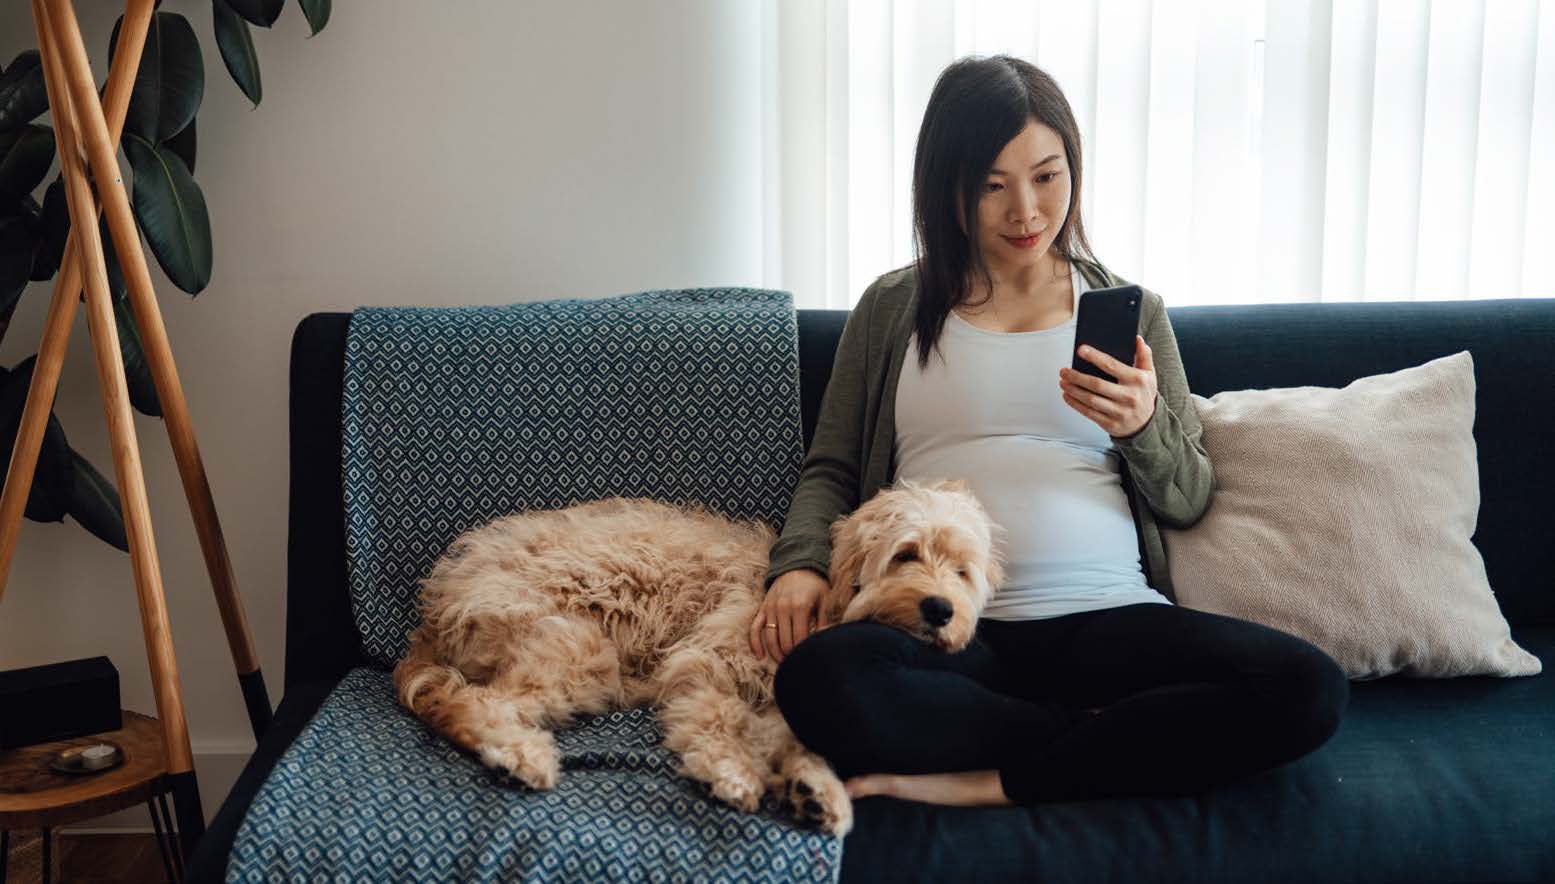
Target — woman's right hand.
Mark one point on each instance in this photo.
(794, 598)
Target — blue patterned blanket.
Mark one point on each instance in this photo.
(452, 417)
(366, 793)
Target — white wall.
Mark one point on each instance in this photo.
(411, 153)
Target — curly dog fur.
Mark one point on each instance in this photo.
(536, 617)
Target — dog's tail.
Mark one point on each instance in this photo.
(422, 682)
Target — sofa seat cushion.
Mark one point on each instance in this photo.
(1434, 779)
(1425, 780)
(365, 791)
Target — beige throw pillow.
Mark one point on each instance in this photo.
(1343, 516)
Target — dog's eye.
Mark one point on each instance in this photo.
(905, 555)
(962, 572)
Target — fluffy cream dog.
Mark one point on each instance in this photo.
(536, 617)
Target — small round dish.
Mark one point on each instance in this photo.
(89, 759)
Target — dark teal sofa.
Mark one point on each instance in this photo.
(1425, 780)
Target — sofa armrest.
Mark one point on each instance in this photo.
(297, 708)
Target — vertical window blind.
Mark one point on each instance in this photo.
(1234, 152)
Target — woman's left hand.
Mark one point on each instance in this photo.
(1122, 408)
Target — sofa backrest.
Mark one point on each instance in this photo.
(321, 637)
(1223, 348)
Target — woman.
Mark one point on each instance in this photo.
(1084, 679)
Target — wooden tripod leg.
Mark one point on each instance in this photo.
(72, 95)
(100, 150)
(62, 307)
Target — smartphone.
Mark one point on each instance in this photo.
(1107, 319)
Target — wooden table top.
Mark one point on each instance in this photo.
(35, 796)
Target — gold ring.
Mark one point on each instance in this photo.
(772, 626)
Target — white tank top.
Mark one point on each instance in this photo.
(991, 412)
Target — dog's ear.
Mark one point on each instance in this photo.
(994, 574)
(850, 542)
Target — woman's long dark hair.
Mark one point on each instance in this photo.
(977, 107)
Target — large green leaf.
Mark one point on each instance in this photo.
(237, 49)
(49, 498)
(25, 158)
(170, 82)
(260, 12)
(171, 210)
(317, 14)
(55, 220)
(18, 248)
(183, 145)
(137, 370)
(43, 263)
(95, 504)
(51, 488)
(24, 61)
(23, 95)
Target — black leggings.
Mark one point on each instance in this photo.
(1189, 700)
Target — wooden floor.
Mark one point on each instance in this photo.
(87, 859)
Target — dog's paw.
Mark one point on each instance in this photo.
(818, 796)
(535, 766)
(736, 786)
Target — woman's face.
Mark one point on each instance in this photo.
(1024, 202)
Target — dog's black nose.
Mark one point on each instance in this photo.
(936, 610)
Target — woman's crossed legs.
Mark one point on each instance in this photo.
(1189, 700)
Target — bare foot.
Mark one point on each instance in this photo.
(972, 787)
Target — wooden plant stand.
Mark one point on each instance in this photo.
(87, 134)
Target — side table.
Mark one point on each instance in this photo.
(35, 796)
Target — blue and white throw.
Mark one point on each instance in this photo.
(367, 793)
(455, 416)
(452, 417)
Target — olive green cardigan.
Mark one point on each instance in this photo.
(1169, 476)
